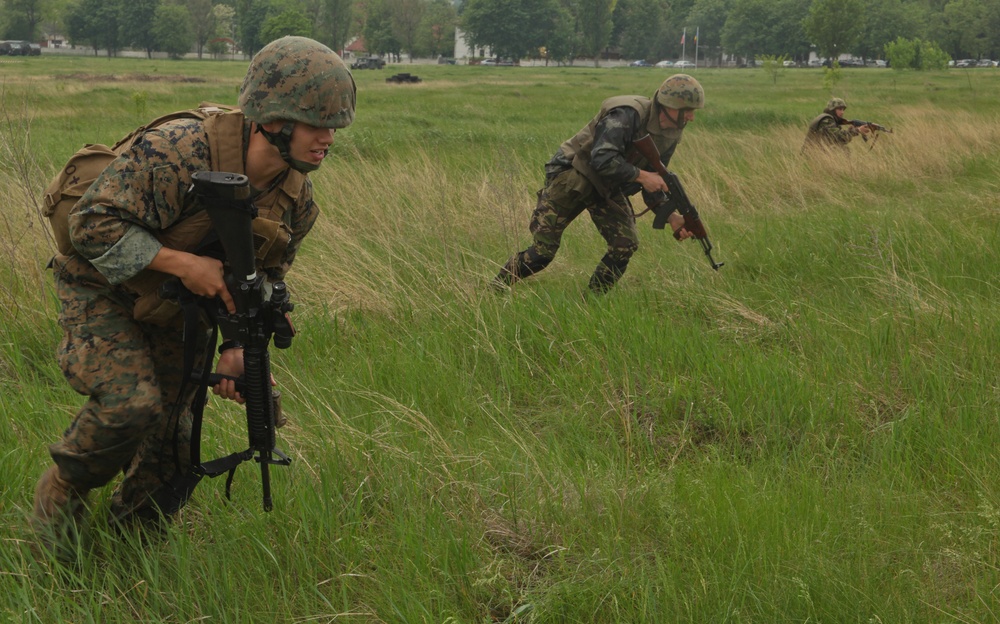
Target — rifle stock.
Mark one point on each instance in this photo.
(226, 197)
(677, 199)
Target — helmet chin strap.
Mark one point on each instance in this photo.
(282, 139)
(681, 120)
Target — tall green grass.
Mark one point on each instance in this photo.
(807, 435)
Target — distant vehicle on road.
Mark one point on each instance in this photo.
(684, 65)
(368, 62)
(639, 63)
(663, 64)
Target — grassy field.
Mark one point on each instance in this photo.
(808, 435)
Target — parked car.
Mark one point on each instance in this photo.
(877, 63)
(817, 62)
(14, 48)
(445, 60)
(986, 63)
(498, 62)
(34, 49)
(368, 62)
(789, 63)
(663, 64)
(684, 65)
(639, 63)
(966, 63)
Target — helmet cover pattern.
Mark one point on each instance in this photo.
(298, 79)
(680, 91)
(834, 104)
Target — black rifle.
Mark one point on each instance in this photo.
(677, 200)
(857, 123)
(226, 197)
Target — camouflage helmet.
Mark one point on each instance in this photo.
(298, 79)
(834, 104)
(680, 91)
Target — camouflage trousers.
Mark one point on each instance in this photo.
(562, 200)
(133, 420)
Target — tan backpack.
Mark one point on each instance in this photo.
(89, 162)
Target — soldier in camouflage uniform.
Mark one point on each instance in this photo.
(138, 221)
(597, 170)
(830, 129)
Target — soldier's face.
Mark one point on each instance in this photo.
(672, 117)
(310, 144)
(839, 112)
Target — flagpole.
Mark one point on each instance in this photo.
(697, 30)
(684, 43)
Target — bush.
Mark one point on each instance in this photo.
(915, 54)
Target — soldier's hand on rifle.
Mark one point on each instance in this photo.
(201, 275)
(230, 364)
(864, 129)
(676, 222)
(651, 182)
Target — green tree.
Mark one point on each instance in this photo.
(774, 66)
(290, 22)
(915, 54)
(97, 23)
(830, 27)
(436, 34)
(378, 35)
(250, 16)
(203, 21)
(901, 53)
(787, 35)
(747, 29)
(884, 20)
(595, 26)
(968, 21)
(560, 43)
(510, 28)
(137, 24)
(642, 25)
(23, 18)
(172, 30)
(333, 23)
(225, 20)
(710, 18)
(406, 16)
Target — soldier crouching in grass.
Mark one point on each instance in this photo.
(830, 130)
(138, 225)
(597, 170)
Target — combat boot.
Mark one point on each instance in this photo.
(58, 513)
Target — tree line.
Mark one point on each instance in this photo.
(556, 30)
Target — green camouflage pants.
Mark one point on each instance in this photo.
(131, 372)
(563, 199)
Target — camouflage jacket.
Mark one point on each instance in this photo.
(603, 151)
(824, 130)
(119, 222)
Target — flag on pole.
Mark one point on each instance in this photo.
(684, 35)
(696, 31)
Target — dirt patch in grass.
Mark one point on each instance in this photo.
(129, 78)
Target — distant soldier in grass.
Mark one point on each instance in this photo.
(597, 170)
(830, 129)
(137, 226)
